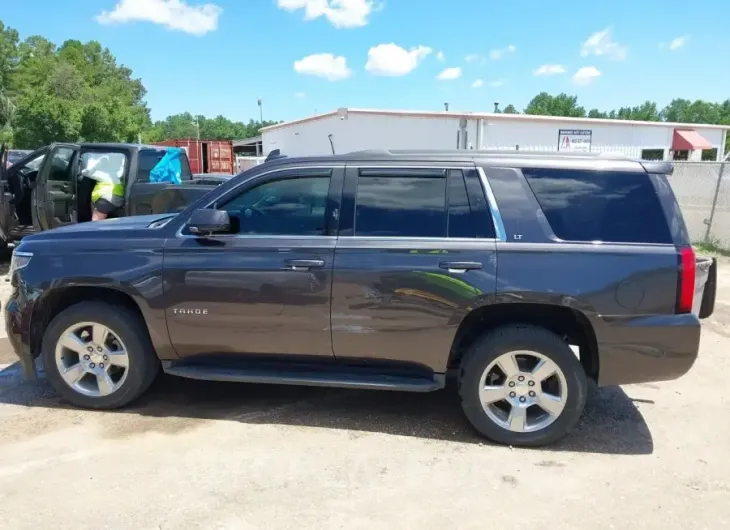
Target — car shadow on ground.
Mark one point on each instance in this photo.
(611, 423)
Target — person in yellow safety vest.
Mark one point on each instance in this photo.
(107, 197)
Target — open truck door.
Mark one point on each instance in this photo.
(54, 196)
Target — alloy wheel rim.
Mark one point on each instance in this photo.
(523, 391)
(92, 359)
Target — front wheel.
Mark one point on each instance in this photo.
(522, 385)
(99, 356)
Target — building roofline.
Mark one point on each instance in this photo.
(490, 116)
(315, 117)
(247, 141)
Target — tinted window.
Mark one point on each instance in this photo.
(600, 206)
(61, 164)
(400, 206)
(466, 219)
(294, 207)
(149, 158)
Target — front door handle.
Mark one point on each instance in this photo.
(304, 264)
(461, 266)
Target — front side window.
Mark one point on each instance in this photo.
(401, 206)
(606, 206)
(291, 206)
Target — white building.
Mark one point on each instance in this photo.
(346, 130)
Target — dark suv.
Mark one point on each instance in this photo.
(522, 275)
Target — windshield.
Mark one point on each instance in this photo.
(14, 156)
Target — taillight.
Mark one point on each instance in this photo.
(686, 287)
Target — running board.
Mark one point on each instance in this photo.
(303, 377)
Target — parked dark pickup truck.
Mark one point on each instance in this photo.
(45, 189)
(522, 275)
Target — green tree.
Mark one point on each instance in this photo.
(595, 113)
(75, 92)
(561, 105)
(219, 128)
(647, 111)
(510, 109)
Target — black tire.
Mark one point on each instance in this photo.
(131, 330)
(488, 348)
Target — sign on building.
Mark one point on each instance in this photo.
(575, 140)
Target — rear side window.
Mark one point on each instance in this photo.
(469, 215)
(604, 206)
(149, 158)
(400, 206)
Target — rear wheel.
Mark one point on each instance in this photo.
(99, 356)
(522, 385)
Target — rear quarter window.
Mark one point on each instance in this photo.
(149, 158)
(613, 207)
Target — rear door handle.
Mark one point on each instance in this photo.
(304, 264)
(461, 266)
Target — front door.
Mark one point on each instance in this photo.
(54, 197)
(264, 288)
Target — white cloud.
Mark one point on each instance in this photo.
(470, 58)
(173, 14)
(440, 56)
(339, 13)
(477, 84)
(499, 53)
(678, 42)
(392, 60)
(550, 69)
(300, 95)
(497, 83)
(323, 65)
(586, 75)
(601, 43)
(450, 74)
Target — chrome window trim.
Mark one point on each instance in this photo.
(493, 207)
(491, 200)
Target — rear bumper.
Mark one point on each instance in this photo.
(645, 349)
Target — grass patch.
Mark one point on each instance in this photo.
(711, 248)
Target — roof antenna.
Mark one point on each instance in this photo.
(332, 145)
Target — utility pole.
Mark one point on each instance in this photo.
(199, 146)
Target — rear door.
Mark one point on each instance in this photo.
(54, 197)
(416, 251)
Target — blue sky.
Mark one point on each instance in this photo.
(305, 56)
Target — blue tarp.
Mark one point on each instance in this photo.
(168, 169)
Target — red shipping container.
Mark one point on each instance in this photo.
(206, 156)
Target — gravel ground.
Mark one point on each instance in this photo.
(223, 456)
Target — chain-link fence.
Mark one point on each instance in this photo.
(703, 192)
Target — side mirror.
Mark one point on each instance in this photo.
(208, 221)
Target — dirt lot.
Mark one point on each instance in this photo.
(214, 456)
